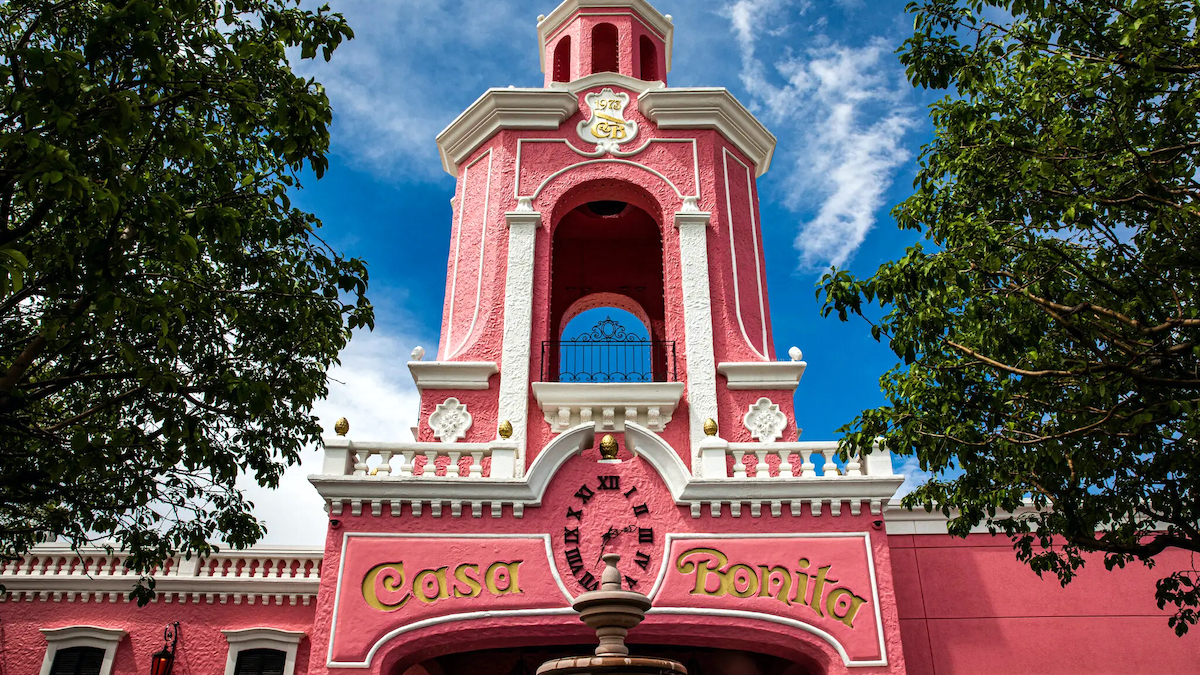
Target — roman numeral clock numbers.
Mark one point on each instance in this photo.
(607, 534)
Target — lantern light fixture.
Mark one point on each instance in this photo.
(163, 660)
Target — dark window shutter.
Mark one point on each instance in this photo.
(260, 662)
(77, 661)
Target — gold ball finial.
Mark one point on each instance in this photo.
(608, 447)
(505, 430)
(710, 427)
(342, 426)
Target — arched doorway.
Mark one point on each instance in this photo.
(607, 288)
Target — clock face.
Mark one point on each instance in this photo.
(607, 516)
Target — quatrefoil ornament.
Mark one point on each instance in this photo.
(450, 421)
(764, 421)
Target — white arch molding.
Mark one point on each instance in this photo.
(105, 639)
(599, 300)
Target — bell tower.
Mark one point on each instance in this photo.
(606, 188)
(605, 383)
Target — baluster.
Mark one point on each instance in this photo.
(854, 465)
(739, 469)
(829, 470)
(406, 465)
(385, 462)
(785, 467)
(453, 470)
(360, 462)
(430, 468)
(761, 468)
(807, 469)
(476, 465)
(264, 569)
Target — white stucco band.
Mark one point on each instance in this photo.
(286, 641)
(697, 324)
(518, 327)
(82, 636)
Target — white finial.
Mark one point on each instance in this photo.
(670, 19)
(795, 353)
(418, 353)
(512, 86)
(541, 18)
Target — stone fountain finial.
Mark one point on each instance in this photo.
(611, 612)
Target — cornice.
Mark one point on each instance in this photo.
(753, 375)
(711, 108)
(463, 375)
(650, 16)
(496, 109)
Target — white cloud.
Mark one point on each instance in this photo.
(413, 66)
(910, 468)
(374, 391)
(843, 112)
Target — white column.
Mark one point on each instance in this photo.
(697, 325)
(518, 328)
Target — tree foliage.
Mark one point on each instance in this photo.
(166, 316)
(1049, 323)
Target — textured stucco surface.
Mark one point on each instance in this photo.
(968, 606)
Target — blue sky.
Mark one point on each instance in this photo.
(822, 76)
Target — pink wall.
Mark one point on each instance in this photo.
(968, 606)
(202, 649)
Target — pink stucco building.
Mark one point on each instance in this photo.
(460, 551)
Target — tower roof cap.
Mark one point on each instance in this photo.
(643, 10)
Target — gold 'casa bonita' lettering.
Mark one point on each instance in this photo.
(715, 577)
(434, 584)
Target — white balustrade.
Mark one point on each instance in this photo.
(344, 457)
(817, 460)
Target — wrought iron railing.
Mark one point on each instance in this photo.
(608, 353)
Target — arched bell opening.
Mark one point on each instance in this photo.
(605, 44)
(607, 252)
(525, 661)
(649, 59)
(562, 60)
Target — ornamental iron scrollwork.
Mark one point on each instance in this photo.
(608, 353)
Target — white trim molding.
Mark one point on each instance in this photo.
(286, 641)
(697, 324)
(610, 79)
(82, 636)
(754, 375)
(872, 483)
(609, 405)
(711, 108)
(56, 573)
(516, 351)
(643, 10)
(496, 109)
(468, 375)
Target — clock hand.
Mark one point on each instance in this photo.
(612, 533)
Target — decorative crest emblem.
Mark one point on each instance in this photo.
(607, 128)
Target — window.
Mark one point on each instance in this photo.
(562, 60)
(80, 650)
(78, 661)
(604, 49)
(262, 651)
(649, 59)
(260, 662)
